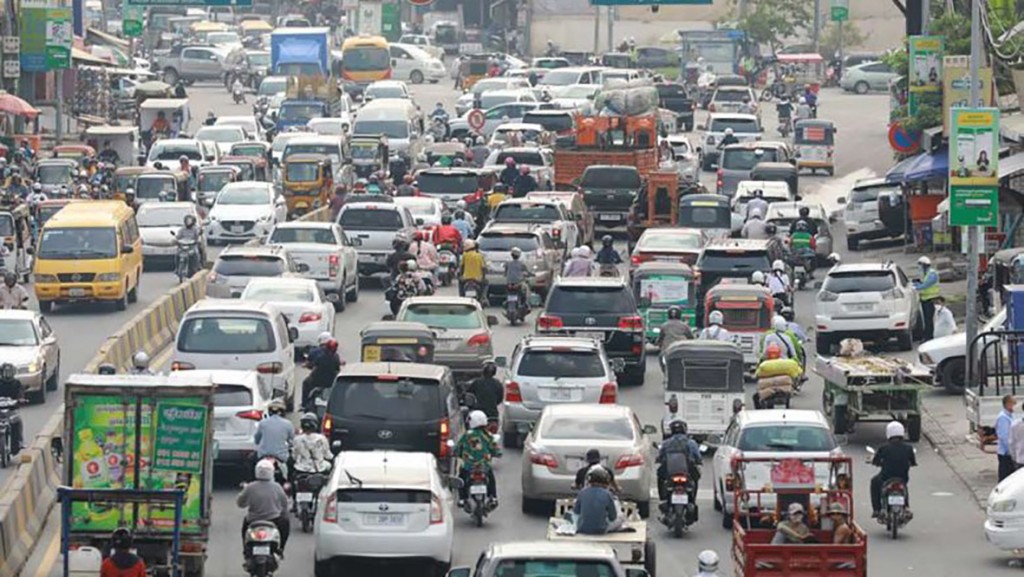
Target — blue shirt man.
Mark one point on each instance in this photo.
(273, 438)
(463, 227)
(1004, 422)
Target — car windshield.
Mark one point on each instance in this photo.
(439, 315)
(399, 400)
(789, 437)
(326, 127)
(226, 335)
(731, 95)
(588, 428)
(151, 214)
(302, 171)
(77, 243)
(528, 158)
(506, 242)
(17, 333)
(422, 209)
(281, 141)
(366, 58)
(53, 174)
(492, 99)
(742, 125)
(151, 186)
(561, 363)
(560, 78)
(300, 112)
(328, 150)
(370, 219)
(705, 217)
(222, 38)
(746, 158)
(484, 85)
(591, 300)
(260, 59)
(526, 213)
(669, 241)
(249, 265)
(311, 235)
(231, 195)
(743, 261)
(867, 194)
(389, 128)
(611, 177)
(364, 151)
(271, 86)
(223, 135)
(213, 181)
(374, 496)
(385, 92)
(859, 282)
(278, 293)
(550, 122)
(577, 91)
(429, 183)
(232, 396)
(174, 152)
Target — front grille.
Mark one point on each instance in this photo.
(76, 277)
(245, 224)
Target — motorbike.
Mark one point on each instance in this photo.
(261, 548)
(516, 307)
(478, 505)
(895, 503)
(188, 254)
(8, 409)
(608, 270)
(679, 509)
(448, 264)
(307, 490)
(439, 129)
(401, 288)
(472, 290)
(238, 95)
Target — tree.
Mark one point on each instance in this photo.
(829, 42)
(772, 21)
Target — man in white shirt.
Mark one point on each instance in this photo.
(944, 323)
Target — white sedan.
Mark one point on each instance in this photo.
(1004, 514)
(427, 210)
(301, 301)
(159, 222)
(222, 136)
(243, 211)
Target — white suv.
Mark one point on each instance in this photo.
(384, 504)
(872, 301)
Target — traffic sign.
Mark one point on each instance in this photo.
(189, 2)
(903, 141)
(840, 10)
(648, 2)
(476, 119)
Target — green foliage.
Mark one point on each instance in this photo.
(772, 21)
(957, 31)
(831, 39)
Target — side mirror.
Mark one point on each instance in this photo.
(650, 430)
(466, 572)
(336, 447)
(127, 249)
(420, 222)
(293, 334)
(492, 320)
(501, 362)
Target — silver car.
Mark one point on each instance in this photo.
(556, 451)
(782, 215)
(541, 254)
(464, 341)
(28, 343)
(237, 265)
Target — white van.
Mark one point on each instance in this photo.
(397, 119)
(414, 64)
(239, 335)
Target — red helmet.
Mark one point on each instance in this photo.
(773, 351)
(510, 161)
(332, 345)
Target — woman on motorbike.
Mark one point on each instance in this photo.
(311, 451)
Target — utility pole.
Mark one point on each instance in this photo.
(817, 24)
(611, 28)
(973, 232)
(597, 28)
(926, 13)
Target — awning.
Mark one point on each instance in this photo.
(1012, 127)
(86, 58)
(928, 167)
(896, 173)
(1011, 166)
(104, 38)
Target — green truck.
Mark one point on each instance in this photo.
(147, 434)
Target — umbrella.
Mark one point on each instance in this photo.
(11, 104)
(152, 88)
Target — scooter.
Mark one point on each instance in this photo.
(471, 290)
(516, 307)
(261, 548)
(895, 509)
(187, 255)
(238, 95)
(399, 290)
(478, 505)
(307, 489)
(8, 410)
(448, 263)
(679, 509)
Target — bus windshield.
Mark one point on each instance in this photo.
(366, 59)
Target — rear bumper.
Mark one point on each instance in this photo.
(853, 326)
(84, 292)
(433, 543)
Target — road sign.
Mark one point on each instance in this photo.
(974, 167)
(476, 119)
(902, 141)
(189, 2)
(132, 20)
(840, 10)
(648, 2)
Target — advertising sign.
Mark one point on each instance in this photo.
(925, 68)
(974, 167)
(59, 34)
(956, 87)
(132, 19)
(840, 10)
(369, 18)
(390, 22)
(46, 36)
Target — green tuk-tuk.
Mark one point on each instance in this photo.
(399, 342)
(657, 286)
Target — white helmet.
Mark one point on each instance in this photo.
(716, 318)
(728, 131)
(264, 470)
(757, 277)
(894, 429)
(924, 261)
(469, 244)
(412, 265)
(477, 419)
(585, 251)
(575, 252)
(779, 266)
(140, 360)
(707, 561)
(779, 323)
(324, 337)
(834, 258)
(803, 100)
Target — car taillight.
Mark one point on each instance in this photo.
(436, 511)
(480, 340)
(331, 509)
(269, 368)
(333, 265)
(310, 318)
(253, 415)
(632, 323)
(721, 181)
(609, 392)
(328, 426)
(638, 259)
(182, 366)
(679, 479)
(625, 461)
(549, 322)
(557, 232)
(546, 459)
(512, 392)
(896, 488)
(445, 434)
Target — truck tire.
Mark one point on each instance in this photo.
(954, 375)
(822, 344)
(840, 420)
(416, 77)
(650, 558)
(905, 340)
(913, 428)
(170, 76)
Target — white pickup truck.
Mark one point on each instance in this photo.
(947, 356)
(324, 248)
(372, 226)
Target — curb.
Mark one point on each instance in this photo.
(946, 446)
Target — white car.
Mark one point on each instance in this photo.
(465, 102)
(168, 151)
(385, 89)
(1004, 514)
(302, 303)
(769, 433)
(947, 356)
(253, 129)
(384, 505)
(28, 342)
(412, 63)
(427, 210)
(540, 160)
(527, 133)
(222, 136)
(423, 42)
(280, 142)
(870, 301)
(159, 222)
(329, 126)
(327, 252)
(685, 155)
(243, 211)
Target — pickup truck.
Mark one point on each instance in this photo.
(372, 226)
(673, 96)
(190, 64)
(571, 558)
(324, 248)
(609, 192)
(548, 214)
(745, 127)
(947, 356)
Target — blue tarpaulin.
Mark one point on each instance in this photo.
(920, 168)
(896, 173)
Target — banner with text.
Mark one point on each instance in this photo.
(974, 167)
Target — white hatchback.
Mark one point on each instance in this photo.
(384, 505)
(243, 211)
(870, 301)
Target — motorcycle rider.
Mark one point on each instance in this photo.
(191, 233)
(425, 252)
(784, 109)
(811, 98)
(525, 183)
(755, 227)
(406, 188)
(324, 366)
(122, 562)
(311, 450)
(794, 329)
(804, 223)
(400, 255)
(596, 510)
(678, 454)
(778, 281)
(516, 273)
(756, 202)
(895, 459)
(274, 435)
(11, 388)
(757, 278)
(608, 255)
(439, 113)
(238, 90)
(447, 234)
(465, 229)
(12, 295)
(487, 390)
(728, 139)
(211, 118)
(746, 107)
(265, 500)
(768, 373)
(140, 364)
(480, 152)
(803, 110)
(674, 329)
(578, 264)
(472, 267)
(593, 459)
(707, 564)
(715, 331)
(476, 448)
(510, 173)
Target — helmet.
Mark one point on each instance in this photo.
(103, 369)
(479, 140)
(309, 422)
(121, 539)
(779, 323)
(510, 161)
(787, 313)
(778, 265)
(477, 419)
(894, 429)
(182, 158)
(10, 278)
(593, 457)
(470, 244)
(373, 178)
(716, 318)
(190, 220)
(129, 191)
(728, 131)
(412, 265)
(446, 218)
(773, 351)
(675, 313)
(140, 360)
(924, 261)
(460, 215)
(407, 179)
(490, 369)
(331, 345)
(707, 561)
(7, 371)
(37, 187)
(276, 407)
(323, 337)
(678, 427)
(585, 251)
(516, 252)
(264, 470)
(805, 211)
(757, 277)
(795, 508)
(607, 240)
(525, 169)
(598, 475)
(802, 100)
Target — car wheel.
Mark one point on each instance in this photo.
(322, 568)
(644, 509)
(342, 303)
(122, 303)
(726, 519)
(38, 397)
(352, 295)
(650, 558)
(861, 87)
(954, 375)
(840, 420)
(905, 340)
(705, 165)
(133, 294)
(171, 76)
(441, 568)
(510, 439)
(530, 506)
(633, 376)
(45, 306)
(416, 77)
(53, 381)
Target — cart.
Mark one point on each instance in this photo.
(872, 388)
(175, 111)
(631, 544)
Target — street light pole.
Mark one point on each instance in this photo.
(973, 232)
(817, 23)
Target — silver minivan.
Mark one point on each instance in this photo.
(739, 160)
(400, 120)
(861, 215)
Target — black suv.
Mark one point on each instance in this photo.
(602, 307)
(673, 96)
(609, 192)
(736, 258)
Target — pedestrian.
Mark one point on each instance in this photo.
(928, 291)
(944, 324)
(1004, 423)
(1017, 442)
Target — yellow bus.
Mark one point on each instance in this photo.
(365, 59)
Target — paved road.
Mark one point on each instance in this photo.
(946, 517)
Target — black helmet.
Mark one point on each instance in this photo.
(490, 369)
(593, 457)
(446, 218)
(7, 371)
(805, 211)
(10, 278)
(106, 369)
(607, 240)
(399, 244)
(309, 422)
(675, 313)
(598, 475)
(190, 220)
(678, 427)
(121, 539)
(460, 215)
(787, 313)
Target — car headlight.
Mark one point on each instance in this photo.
(926, 359)
(1004, 506)
(108, 277)
(45, 278)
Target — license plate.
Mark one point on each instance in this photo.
(560, 394)
(680, 499)
(76, 292)
(513, 298)
(261, 550)
(448, 345)
(897, 500)
(237, 229)
(478, 489)
(383, 519)
(607, 216)
(861, 307)
(590, 335)
(496, 267)
(304, 498)
(320, 402)
(220, 426)
(471, 293)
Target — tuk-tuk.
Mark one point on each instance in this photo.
(125, 177)
(747, 312)
(657, 205)
(472, 68)
(76, 152)
(307, 181)
(250, 149)
(163, 186)
(703, 381)
(439, 151)
(252, 168)
(617, 60)
(153, 89)
(16, 237)
(709, 212)
(393, 341)
(122, 140)
(369, 155)
(53, 173)
(658, 286)
(210, 179)
(175, 112)
(814, 141)
(777, 171)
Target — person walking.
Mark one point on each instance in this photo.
(1004, 424)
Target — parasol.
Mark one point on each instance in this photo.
(11, 104)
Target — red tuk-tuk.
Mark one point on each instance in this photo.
(747, 311)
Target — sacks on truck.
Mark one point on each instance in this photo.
(627, 101)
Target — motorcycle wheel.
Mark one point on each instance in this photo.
(478, 514)
(305, 515)
(678, 525)
(5, 455)
(893, 525)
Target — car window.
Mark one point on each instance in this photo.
(788, 437)
(17, 333)
(610, 177)
(249, 265)
(743, 125)
(521, 157)
(669, 241)
(505, 242)
(746, 158)
(731, 95)
(694, 216)
(588, 428)
(449, 316)
(370, 219)
(402, 400)
(232, 396)
(278, 293)
(903, 277)
(561, 364)
(402, 496)
(527, 213)
(740, 261)
(591, 300)
(310, 235)
(551, 122)
(859, 282)
(226, 335)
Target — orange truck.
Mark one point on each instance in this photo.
(608, 140)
